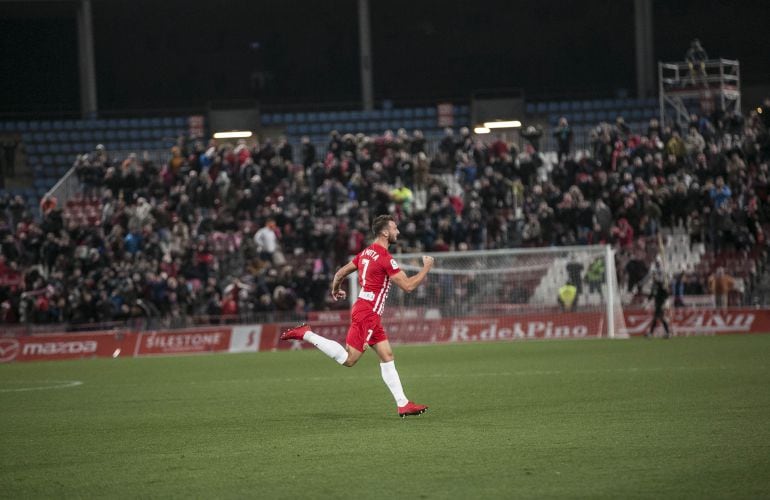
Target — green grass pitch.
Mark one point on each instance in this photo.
(685, 418)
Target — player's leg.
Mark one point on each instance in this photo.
(389, 373)
(329, 347)
(652, 326)
(665, 326)
(393, 381)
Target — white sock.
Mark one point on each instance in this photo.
(326, 346)
(390, 376)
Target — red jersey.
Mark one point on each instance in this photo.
(375, 267)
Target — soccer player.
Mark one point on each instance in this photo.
(659, 294)
(377, 269)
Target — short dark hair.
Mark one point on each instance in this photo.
(380, 222)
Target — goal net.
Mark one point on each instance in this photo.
(528, 292)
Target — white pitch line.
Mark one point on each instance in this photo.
(62, 384)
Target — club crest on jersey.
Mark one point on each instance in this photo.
(393, 264)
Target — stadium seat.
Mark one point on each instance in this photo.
(180, 121)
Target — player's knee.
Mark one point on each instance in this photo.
(350, 361)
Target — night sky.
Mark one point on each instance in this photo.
(183, 54)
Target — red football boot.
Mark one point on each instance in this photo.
(295, 333)
(411, 409)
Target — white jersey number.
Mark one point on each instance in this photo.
(365, 263)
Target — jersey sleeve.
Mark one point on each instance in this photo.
(355, 260)
(391, 266)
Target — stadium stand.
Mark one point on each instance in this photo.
(171, 242)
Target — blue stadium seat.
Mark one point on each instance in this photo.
(590, 116)
(23, 126)
(50, 136)
(134, 134)
(398, 113)
(575, 105)
(344, 115)
(156, 122)
(62, 136)
(430, 111)
(530, 108)
(168, 122)
(57, 125)
(180, 121)
(45, 125)
(601, 116)
(317, 128)
(146, 133)
(300, 117)
(408, 112)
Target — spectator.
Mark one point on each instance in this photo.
(567, 297)
(721, 284)
(696, 58)
(266, 240)
(564, 136)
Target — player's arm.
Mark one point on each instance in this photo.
(340, 275)
(409, 283)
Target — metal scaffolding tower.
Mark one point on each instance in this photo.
(703, 88)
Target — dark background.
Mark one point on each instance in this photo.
(183, 54)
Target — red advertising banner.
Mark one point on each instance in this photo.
(66, 346)
(199, 340)
(685, 322)
(472, 329)
(401, 330)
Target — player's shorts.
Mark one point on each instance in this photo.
(365, 329)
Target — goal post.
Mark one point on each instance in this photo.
(523, 288)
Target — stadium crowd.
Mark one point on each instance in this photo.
(238, 230)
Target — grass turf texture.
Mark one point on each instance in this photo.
(613, 419)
